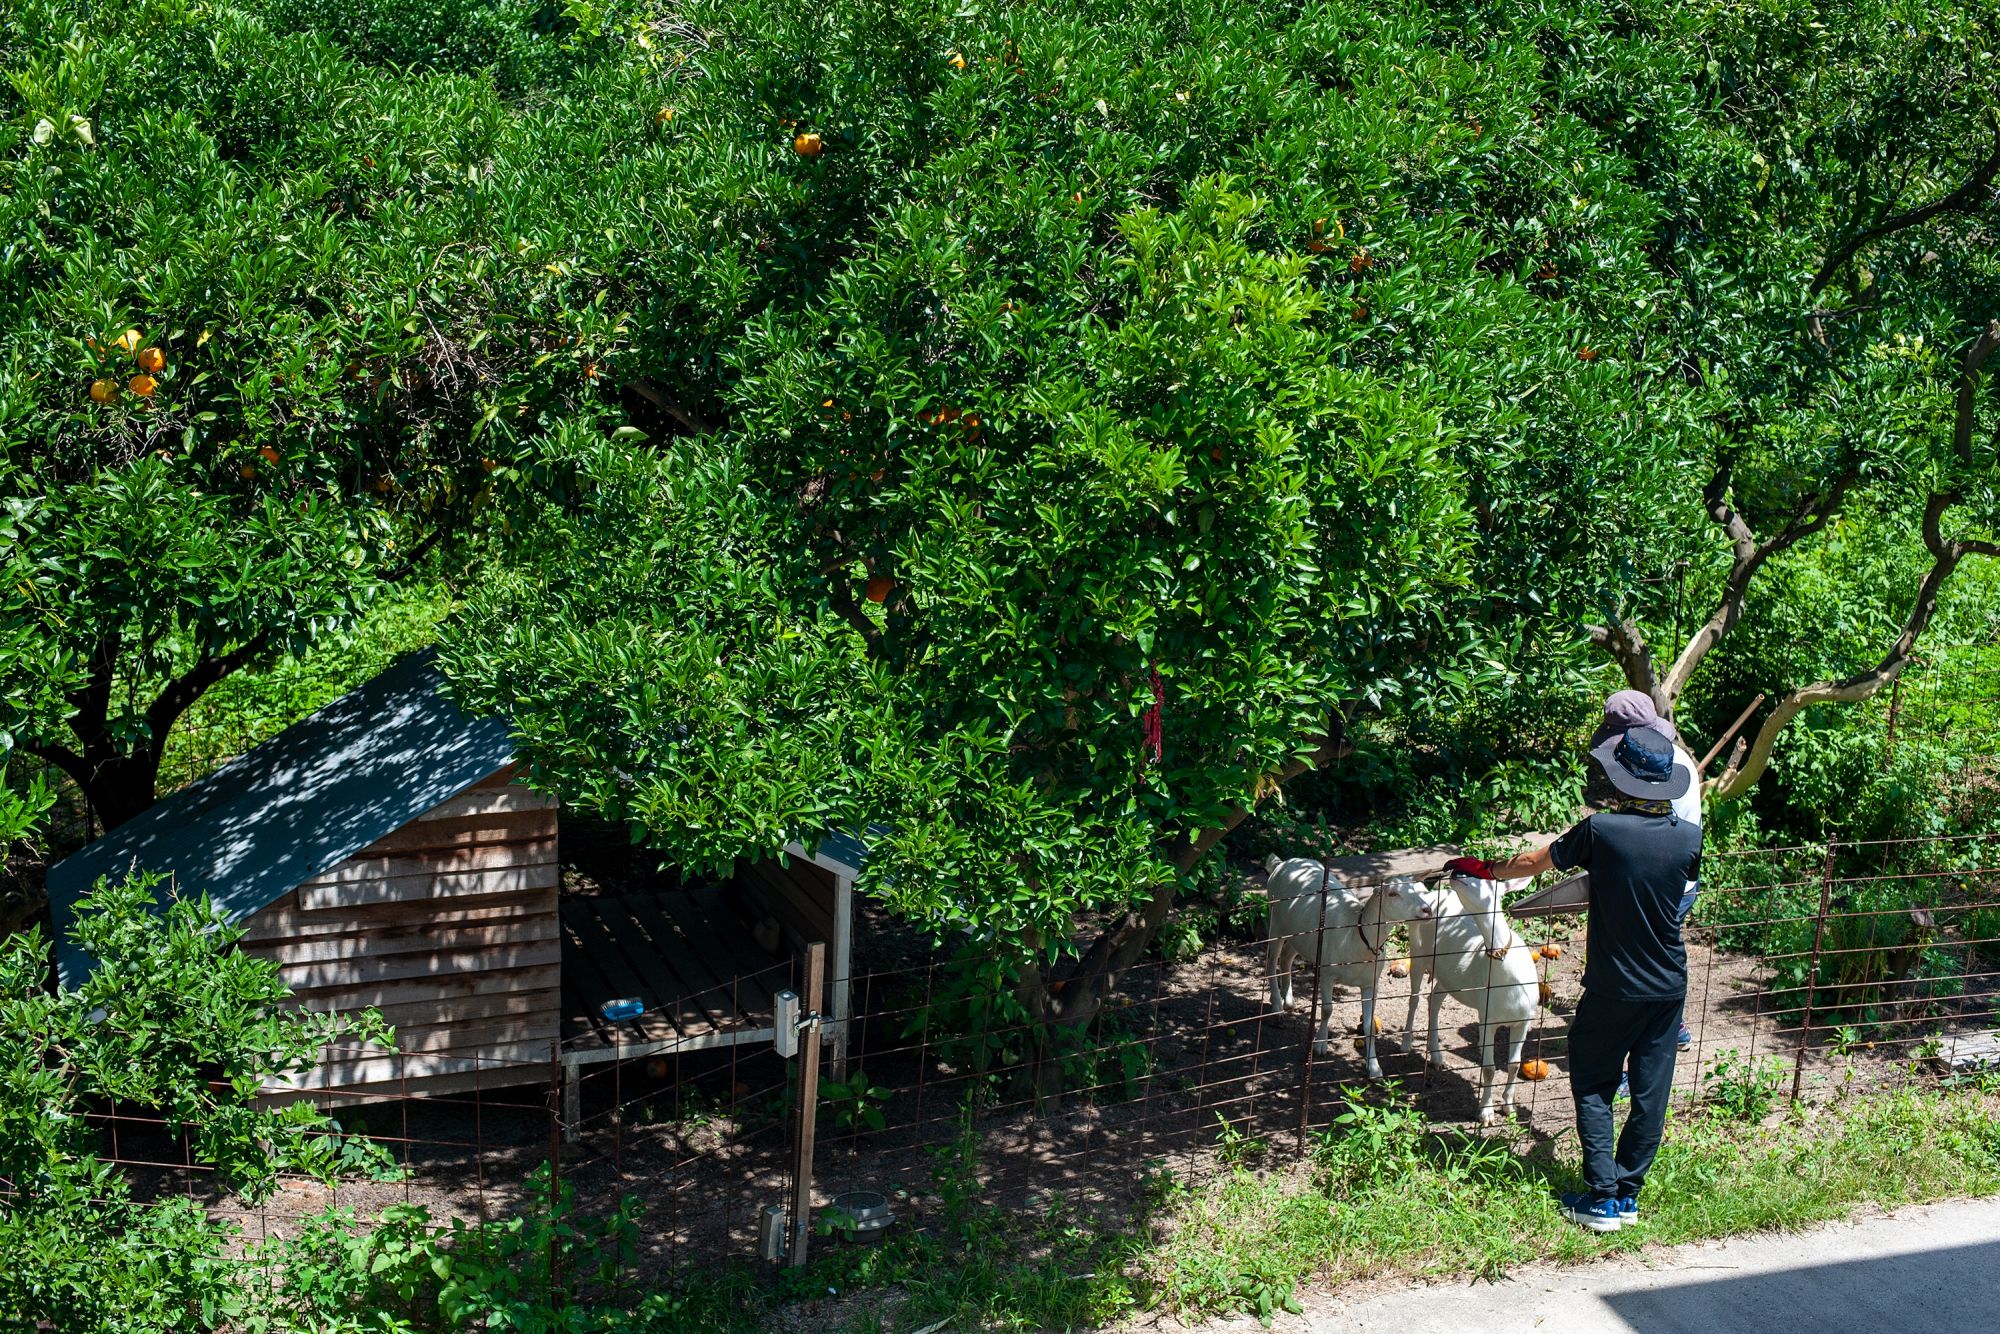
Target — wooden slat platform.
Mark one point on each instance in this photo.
(685, 954)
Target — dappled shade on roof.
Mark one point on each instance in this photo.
(297, 805)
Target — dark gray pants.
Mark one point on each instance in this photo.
(1605, 1035)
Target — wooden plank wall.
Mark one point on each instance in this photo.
(448, 926)
(799, 895)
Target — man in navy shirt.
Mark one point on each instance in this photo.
(1641, 856)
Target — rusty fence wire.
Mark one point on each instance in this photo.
(1818, 971)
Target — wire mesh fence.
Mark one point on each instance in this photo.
(1814, 972)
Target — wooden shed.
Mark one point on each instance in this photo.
(382, 854)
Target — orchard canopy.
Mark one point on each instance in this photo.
(1039, 430)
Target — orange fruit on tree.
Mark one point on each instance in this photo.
(957, 61)
(1361, 262)
(1586, 354)
(268, 453)
(152, 360)
(247, 471)
(664, 115)
(103, 391)
(128, 342)
(1317, 246)
(878, 588)
(142, 385)
(807, 144)
(1533, 1070)
(1358, 314)
(488, 464)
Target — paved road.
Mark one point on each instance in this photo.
(1925, 1267)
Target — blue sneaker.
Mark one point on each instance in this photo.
(1624, 1088)
(1628, 1209)
(1686, 1038)
(1587, 1211)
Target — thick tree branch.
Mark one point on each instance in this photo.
(180, 694)
(62, 757)
(1628, 648)
(1963, 199)
(1747, 557)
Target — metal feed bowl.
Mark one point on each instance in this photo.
(862, 1215)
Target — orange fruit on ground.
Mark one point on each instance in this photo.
(152, 360)
(1533, 1070)
(103, 391)
(128, 342)
(878, 588)
(1545, 992)
(1552, 951)
(142, 385)
(1361, 263)
(1586, 354)
(807, 145)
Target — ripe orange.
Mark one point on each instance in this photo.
(1586, 354)
(1533, 1070)
(957, 61)
(152, 360)
(1361, 262)
(664, 115)
(142, 385)
(128, 342)
(103, 391)
(807, 145)
(267, 453)
(878, 588)
(1552, 951)
(1317, 246)
(488, 464)
(1545, 992)
(1358, 314)
(247, 471)
(1215, 454)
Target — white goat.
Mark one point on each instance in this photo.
(1348, 953)
(1455, 944)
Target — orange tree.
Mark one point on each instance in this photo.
(1128, 447)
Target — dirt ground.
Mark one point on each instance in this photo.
(705, 1142)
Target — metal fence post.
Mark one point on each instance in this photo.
(1812, 970)
(1312, 1034)
(802, 1162)
(555, 1174)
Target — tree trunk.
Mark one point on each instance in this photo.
(123, 785)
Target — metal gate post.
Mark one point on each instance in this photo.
(802, 1160)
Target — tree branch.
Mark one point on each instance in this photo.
(1747, 557)
(1963, 199)
(653, 394)
(180, 694)
(1968, 389)
(1628, 648)
(62, 757)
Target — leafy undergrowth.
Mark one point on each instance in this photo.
(1380, 1194)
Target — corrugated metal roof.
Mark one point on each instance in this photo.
(297, 805)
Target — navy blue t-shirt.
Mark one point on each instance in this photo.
(1640, 866)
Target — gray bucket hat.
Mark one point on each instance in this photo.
(1641, 764)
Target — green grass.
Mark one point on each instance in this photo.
(1453, 1204)
(1381, 1194)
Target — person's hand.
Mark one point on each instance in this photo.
(1476, 868)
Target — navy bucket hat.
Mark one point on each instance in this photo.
(1641, 764)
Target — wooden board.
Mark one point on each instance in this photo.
(397, 991)
(491, 830)
(464, 1009)
(503, 880)
(363, 969)
(284, 921)
(487, 801)
(438, 861)
(407, 939)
